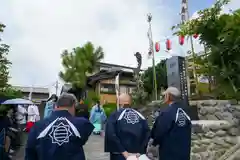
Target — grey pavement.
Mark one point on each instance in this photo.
(94, 149)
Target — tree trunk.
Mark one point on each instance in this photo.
(229, 79)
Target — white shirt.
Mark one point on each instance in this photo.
(20, 115)
(33, 113)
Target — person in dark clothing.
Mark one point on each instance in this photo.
(82, 110)
(61, 136)
(5, 139)
(16, 132)
(127, 132)
(172, 129)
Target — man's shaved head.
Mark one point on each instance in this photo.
(125, 99)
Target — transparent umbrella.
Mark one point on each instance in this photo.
(18, 101)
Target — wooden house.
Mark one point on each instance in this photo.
(103, 82)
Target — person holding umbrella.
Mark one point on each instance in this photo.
(11, 118)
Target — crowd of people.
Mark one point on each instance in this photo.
(17, 120)
(63, 132)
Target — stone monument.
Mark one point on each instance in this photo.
(177, 77)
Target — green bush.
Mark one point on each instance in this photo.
(86, 101)
(109, 108)
(10, 93)
(92, 98)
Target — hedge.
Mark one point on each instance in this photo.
(109, 108)
(8, 93)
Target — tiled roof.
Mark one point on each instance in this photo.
(34, 89)
(104, 66)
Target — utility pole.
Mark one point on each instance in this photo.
(56, 87)
(151, 52)
(30, 93)
(185, 17)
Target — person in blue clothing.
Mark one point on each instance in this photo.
(172, 129)
(61, 136)
(97, 117)
(127, 132)
(50, 105)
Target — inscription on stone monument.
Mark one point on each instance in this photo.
(176, 75)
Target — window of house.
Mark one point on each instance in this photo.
(130, 90)
(107, 88)
(123, 89)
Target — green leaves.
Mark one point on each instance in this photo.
(145, 83)
(80, 62)
(4, 63)
(161, 75)
(220, 33)
(6, 91)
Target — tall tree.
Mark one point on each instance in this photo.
(161, 74)
(204, 67)
(6, 91)
(79, 62)
(139, 96)
(4, 63)
(220, 34)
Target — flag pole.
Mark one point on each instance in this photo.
(117, 89)
(151, 50)
(30, 93)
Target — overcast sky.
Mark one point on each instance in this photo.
(38, 31)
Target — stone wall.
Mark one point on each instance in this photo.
(213, 139)
(216, 136)
(218, 130)
(218, 110)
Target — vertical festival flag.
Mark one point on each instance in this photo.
(117, 89)
(150, 50)
(30, 93)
